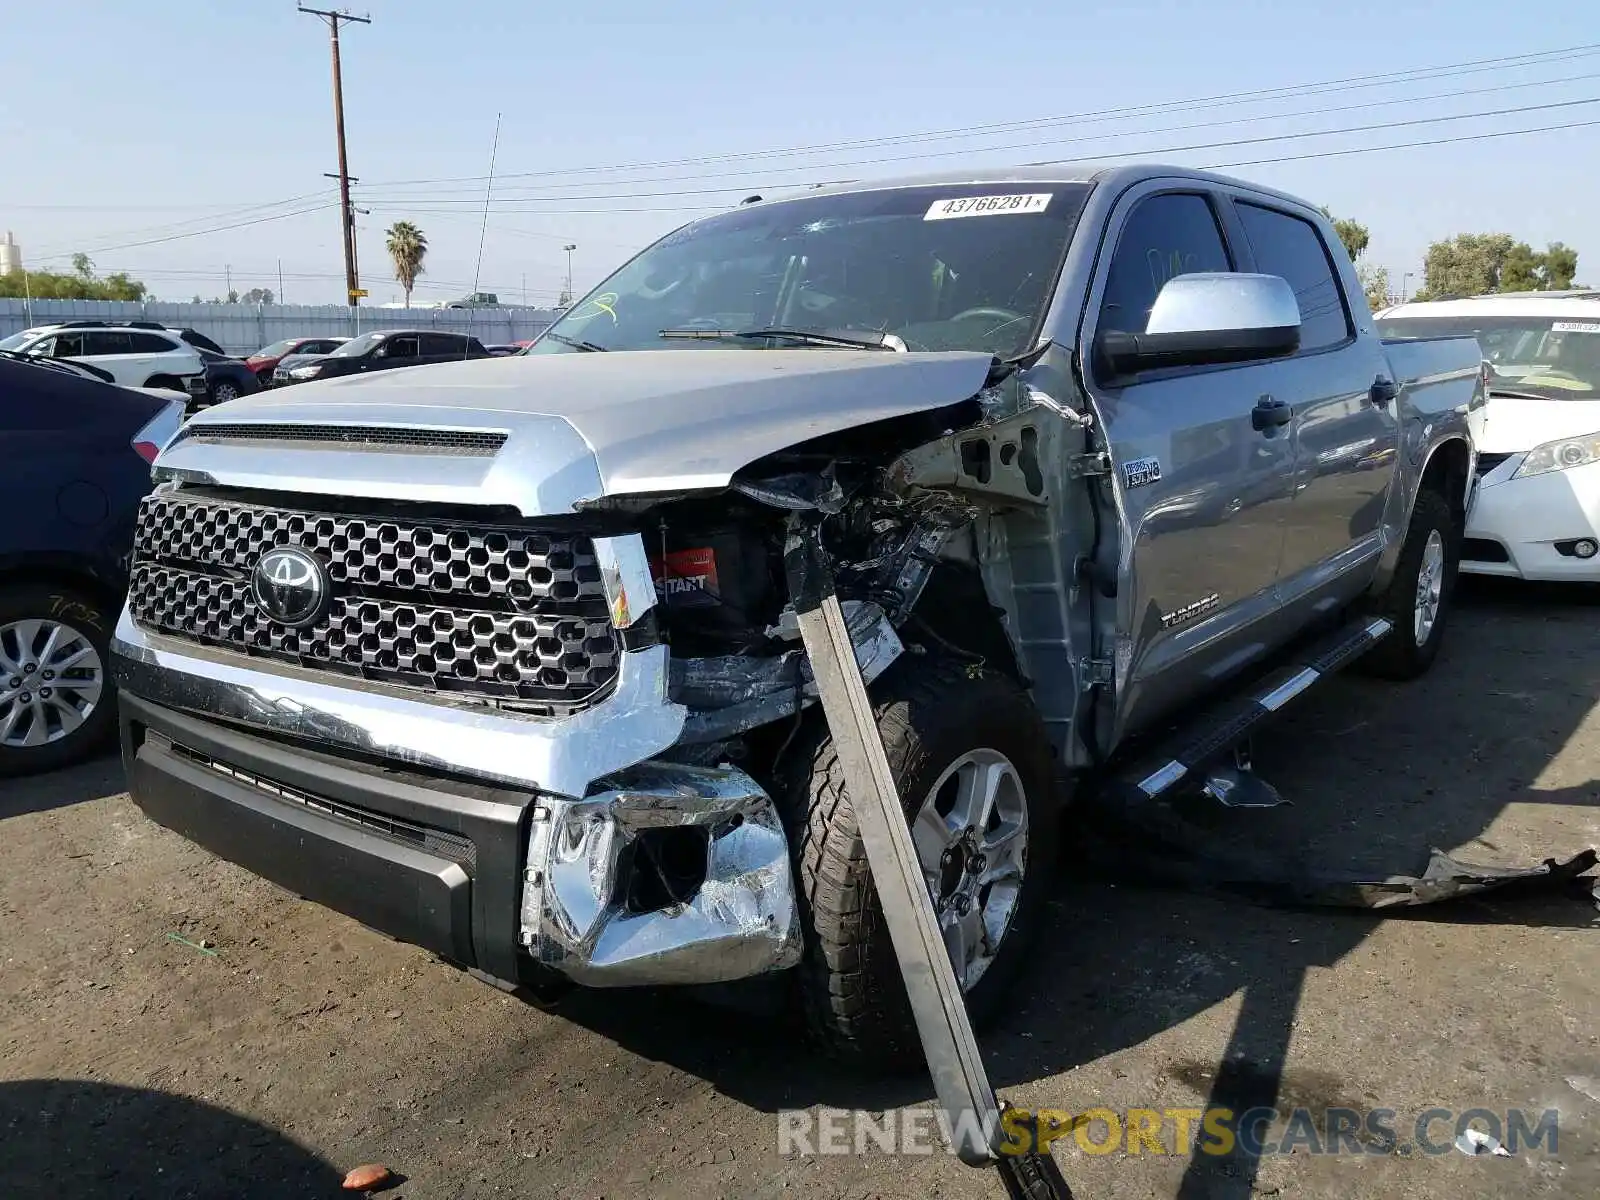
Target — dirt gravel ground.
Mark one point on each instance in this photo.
(132, 1064)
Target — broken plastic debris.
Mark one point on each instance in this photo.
(366, 1177)
(1474, 1142)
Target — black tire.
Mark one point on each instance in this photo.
(166, 383)
(1402, 655)
(224, 390)
(81, 614)
(930, 714)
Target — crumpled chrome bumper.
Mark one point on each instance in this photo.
(603, 807)
(737, 917)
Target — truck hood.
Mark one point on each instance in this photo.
(577, 426)
(1512, 425)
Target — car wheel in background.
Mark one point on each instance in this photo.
(56, 701)
(222, 391)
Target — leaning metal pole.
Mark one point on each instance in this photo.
(948, 1041)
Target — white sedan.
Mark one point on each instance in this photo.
(1537, 514)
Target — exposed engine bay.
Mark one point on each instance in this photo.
(900, 508)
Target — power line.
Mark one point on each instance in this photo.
(439, 196)
(1469, 137)
(179, 225)
(515, 204)
(1413, 74)
(177, 237)
(1286, 137)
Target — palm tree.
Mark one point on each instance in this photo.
(407, 248)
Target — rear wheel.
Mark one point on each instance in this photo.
(973, 767)
(56, 703)
(165, 383)
(1419, 595)
(222, 391)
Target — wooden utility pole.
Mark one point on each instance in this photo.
(346, 216)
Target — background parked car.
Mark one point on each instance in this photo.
(198, 340)
(133, 353)
(1538, 510)
(265, 360)
(61, 365)
(78, 455)
(381, 351)
(502, 351)
(228, 378)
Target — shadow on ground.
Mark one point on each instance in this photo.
(1374, 784)
(99, 776)
(80, 1139)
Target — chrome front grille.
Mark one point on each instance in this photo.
(439, 604)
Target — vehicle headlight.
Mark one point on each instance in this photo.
(310, 372)
(1560, 456)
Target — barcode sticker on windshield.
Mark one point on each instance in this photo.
(987, 206)
(1575, 327)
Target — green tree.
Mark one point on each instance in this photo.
(1476, 264)
(1353, 234)
(407, 248)
(81, 284)
(1375, 282)
(1560, 266)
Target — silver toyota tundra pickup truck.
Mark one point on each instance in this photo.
(499, 657)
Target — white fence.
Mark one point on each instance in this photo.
(241, 328)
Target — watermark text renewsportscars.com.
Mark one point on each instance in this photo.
(1255, 1132)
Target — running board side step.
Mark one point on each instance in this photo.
(1223, 729)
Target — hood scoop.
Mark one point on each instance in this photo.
(472, 442)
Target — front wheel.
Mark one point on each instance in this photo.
(56, 704)
(972, 763)
(222, 391)
(1417, 601)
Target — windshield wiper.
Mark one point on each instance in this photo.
(576, 343)
(810, 337)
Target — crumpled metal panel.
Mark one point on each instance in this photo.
(742, 921)
(730, 694)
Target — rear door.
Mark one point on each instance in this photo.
(112, 350)
(1205, 494)
(1344, 437)
(442, 347)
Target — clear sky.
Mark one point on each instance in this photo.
(130, 122)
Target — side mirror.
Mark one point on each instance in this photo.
(1208, 319)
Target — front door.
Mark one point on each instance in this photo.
(1204, 492)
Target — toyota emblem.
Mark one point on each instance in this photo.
(291, 587)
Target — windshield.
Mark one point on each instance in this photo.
(966, 267)
(16, 341)
(1541, 356)
(356, 347)
(277, 349)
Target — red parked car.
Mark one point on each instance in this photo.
(266, 359)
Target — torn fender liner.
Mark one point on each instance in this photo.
(1150, 842)
(1444, 878)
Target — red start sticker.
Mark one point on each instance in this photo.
(686, 576)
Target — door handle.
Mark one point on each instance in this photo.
(1270, 414)
(1383, 391)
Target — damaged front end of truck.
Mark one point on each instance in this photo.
(623, 680)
